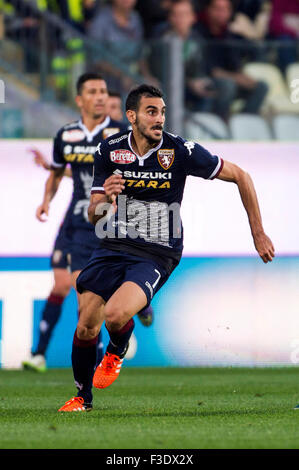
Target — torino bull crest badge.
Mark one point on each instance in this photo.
(165, 158)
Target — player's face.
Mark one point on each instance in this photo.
(150, 118)
(93, 98)
(114, 109)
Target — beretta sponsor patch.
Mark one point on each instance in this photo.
(73, 136)
(165, 158)
(122, 156)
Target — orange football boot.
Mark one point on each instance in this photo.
(76, 404)
(107, 371)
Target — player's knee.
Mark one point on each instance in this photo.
(114, 316)
(62, 287)
(62, 291)
(86, 333)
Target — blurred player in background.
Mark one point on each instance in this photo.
(141, 243)
(114, 106)
(60, 263)
(76, 239)
(62, 284)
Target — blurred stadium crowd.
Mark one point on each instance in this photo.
(239, 58)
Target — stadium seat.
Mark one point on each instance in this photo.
(205, 126)
(278, 98)
(292, 73)
(250, 127)
(286, 127)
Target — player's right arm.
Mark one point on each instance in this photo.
(40, 160)
(51, 188)
(57, 169)
(106, 186)
(101, 201)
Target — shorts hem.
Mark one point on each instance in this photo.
(143, 287)
(81, 288)
(59, 266)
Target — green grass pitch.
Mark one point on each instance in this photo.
(154, 408)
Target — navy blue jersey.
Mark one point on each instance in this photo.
(147, 222)
(74, 144)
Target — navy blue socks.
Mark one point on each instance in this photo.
(119, 339)
(50, 317)
(84, 356)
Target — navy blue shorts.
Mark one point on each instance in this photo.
(79, 256)
(107, 270)
(60, 255)
(83, 244)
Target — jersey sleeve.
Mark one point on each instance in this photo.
(102, 169)
(58, 160)
(200, 162)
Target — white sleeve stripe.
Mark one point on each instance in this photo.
(216, 169)
(58, 165)
(97, 188)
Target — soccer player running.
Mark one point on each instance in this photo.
(75, 144)
(60, 258)
(138, 185)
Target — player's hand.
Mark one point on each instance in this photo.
(113, 186)
(264, 247)
(42, 212)
(39, 159)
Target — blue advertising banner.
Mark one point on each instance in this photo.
(212, 311)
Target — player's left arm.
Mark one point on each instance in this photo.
(232, 173)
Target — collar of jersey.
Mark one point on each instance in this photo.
(148, 154)
(96, 130)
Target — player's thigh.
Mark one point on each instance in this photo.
(126, 301)
(148, 275)
(91, 307)
(90, 304)
(62, 281)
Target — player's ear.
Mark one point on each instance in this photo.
(131, 115)
(78, 100)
